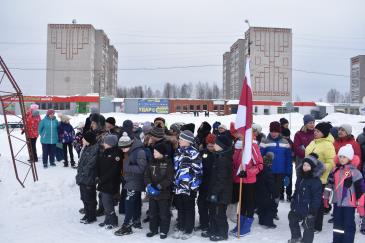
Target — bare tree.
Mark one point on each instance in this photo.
(199, 90)
(333, 96)
(216, 92)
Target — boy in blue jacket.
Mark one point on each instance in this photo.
(282, 163)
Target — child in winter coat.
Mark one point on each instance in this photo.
(207, 162)
(77, 143)
(67, 136)
(265, 191)
(345, 184)
(134, 166)
(159, 177)
(220, 189)
(86, 174)
(108, 179)
(188, 172)
(248, 174)
(306, 199)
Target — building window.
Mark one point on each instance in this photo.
(215, 108)
(43, 106)
(67, 106)
(282, 110)
(185, 108)
(56, 106)
(266, 112)
(256, 109)
(198, 107)
(62, 106)
(178, 108)
(205, 107)
(191, 107)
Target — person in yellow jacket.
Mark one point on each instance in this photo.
(322, 145)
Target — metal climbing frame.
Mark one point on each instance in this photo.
(10, 94)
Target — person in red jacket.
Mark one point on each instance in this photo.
(32, 120)
(249, 179)
(345, 137)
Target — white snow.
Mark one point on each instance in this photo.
(47, 211)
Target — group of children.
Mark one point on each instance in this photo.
(175, 169)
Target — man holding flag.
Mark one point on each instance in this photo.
(247, 160)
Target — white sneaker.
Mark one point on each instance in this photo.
(178, 234)
(186, 236)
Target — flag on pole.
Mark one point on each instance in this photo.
(244, 117)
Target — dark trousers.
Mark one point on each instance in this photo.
(185, 205)
(123, 195)
(203, 207)
(159, 215)
(279, 185)
(248, 200)
(218, 224)
(70, 151)
(133, 207)
(33, 143)
(344, 226)
(288, 190)
(88, 197)
(59, 154)
(108, 204)
(319, 218)
(266, 212)
(48, 152)
(308, 233)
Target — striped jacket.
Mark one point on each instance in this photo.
(282, 162)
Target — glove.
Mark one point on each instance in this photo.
(309, 221)
(286, 181)
(347, 182)
(152, 191)
(326, 203)
(242, 174)
(213, 199)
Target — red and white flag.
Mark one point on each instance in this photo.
(244, 117)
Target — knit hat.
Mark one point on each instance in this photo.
(223, 141)
(162, 148)
(90, 137)
(159, 119)
(98, 119)
(176, 127)
(283, 121)
(211, 138)
(110, 120)
(257, 128)
(157, 132)
(34, 107)
(347, 128)
(111, 140)
(216, 125)
(187, 135)
(334, 132)
(285, 132)
(128, 125)
(324, 127)
(308, 118)
(275, 127)
(189, 126)
(347, 151)
(125, 141)
(146, 128)
(223, 126)
(311, 159)
(50, 112)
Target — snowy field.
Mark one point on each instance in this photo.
(47, 211)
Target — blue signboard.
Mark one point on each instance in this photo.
(155, 106)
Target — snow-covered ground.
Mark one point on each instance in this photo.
(47, 211)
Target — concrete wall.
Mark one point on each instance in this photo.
(131, 106)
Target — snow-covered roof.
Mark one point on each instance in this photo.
(323, 104)
(233, 102)
(118, 100)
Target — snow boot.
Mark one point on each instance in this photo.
(124, 230)
(218, 238)
(83, 219)
(298, 240)
(186, 236)
(151, 234)
(82, 211)
(246, 227)
(163, 236)
(242, 221)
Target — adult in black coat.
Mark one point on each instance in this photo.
(203, 132)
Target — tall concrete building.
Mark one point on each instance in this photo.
(270, 64)
(357, 79)
(233, 70)
(80, 60)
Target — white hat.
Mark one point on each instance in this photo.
(347, 151)
(257, 128)
(347, 128)
(223, 126)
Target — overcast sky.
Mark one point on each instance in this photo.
(164, 33)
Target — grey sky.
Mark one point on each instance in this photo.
(326, 34)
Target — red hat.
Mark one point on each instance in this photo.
(50, 112)
(275, 127)
(210, 139)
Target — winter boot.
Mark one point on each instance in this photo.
(242, 221)
(218, 238)
(163, 236)
(82, 211)
(124, 230)
(246, 227)
(137, 225)
(298, 240)
(83, 219)
(151, 234)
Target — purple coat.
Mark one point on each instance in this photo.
(301, 141)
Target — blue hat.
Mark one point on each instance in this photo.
(308, 118)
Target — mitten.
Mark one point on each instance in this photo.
(242, 174)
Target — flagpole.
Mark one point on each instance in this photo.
(240, 201)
